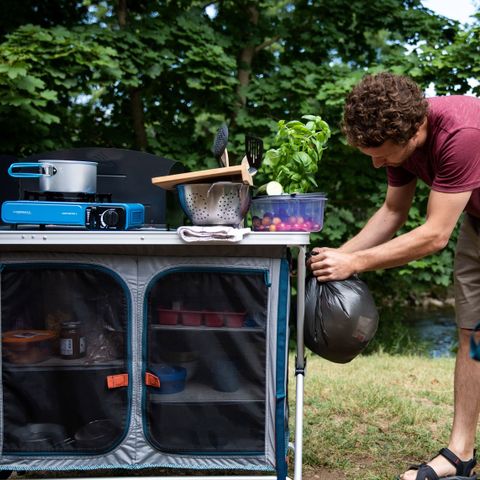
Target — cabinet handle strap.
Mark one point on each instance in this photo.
(117, 381)
(152, 380)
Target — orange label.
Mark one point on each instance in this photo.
(117, 381)
(152, 380)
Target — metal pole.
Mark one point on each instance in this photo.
(299, 364)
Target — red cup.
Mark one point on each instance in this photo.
(213, 319)
(234, 320)
(191, 318)
(167, 317)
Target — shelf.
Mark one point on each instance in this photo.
(195, 392)
(209, 329)
(56, 363)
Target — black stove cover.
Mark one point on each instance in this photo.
(68, 196)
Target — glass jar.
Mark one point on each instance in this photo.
(72, 341)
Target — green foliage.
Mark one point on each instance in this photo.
(300, 148)
(395, 337)
(69, 72)
(43, 72)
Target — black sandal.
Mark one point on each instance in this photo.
(463, 469)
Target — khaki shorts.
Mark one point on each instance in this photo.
(467, 275)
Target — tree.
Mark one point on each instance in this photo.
(163, 75)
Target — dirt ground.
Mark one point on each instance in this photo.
(322, 474)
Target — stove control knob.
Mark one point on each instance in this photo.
(109, 218)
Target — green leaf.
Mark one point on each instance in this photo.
(29, 83)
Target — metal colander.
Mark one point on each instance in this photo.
(219, 203)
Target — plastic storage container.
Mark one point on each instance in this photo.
(28, 346)
(187, 360)
(234, 320)
(168, 317)
(213, 319)
(294, 212)
(192, 318)
(172, 378)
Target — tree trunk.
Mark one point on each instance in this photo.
(245, 60)
(138, 118)
(136, 102)
(246, 57)
(244, 70)
(122, 13)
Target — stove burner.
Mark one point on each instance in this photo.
(68, 196)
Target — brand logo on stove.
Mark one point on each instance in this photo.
(75, 214)
(22, 212)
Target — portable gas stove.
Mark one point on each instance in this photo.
(90, 211)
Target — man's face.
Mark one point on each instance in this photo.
(390, 154)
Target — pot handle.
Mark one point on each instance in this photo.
(47, 170)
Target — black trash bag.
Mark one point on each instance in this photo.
(340, 318)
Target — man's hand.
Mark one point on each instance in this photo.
(331, 264)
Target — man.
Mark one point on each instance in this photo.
(436, 140)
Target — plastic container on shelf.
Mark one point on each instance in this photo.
(234, 319)
(296, 212)
(223, 373)
(213, 319)
(167, 316)
(191, 318)
(185, 359)
(172, 378)
(28, 346)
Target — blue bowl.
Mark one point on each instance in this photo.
(172, 378)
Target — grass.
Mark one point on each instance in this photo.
(373, 417)
(365, 420)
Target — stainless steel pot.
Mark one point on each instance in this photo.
(60, 175)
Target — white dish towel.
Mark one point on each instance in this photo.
(209, 234)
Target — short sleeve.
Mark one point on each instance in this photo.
(459, 165)
(398, 176)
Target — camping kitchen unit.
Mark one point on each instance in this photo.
(134, 349)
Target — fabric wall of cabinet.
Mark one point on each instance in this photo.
(184, 362)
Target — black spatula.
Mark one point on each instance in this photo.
(254, 152)
(219, 148)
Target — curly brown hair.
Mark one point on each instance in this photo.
(383, 107)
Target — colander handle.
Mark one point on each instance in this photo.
(217, 183)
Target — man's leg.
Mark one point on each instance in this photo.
(466, 410)
(467, 371)
(467, 399)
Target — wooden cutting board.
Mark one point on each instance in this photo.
(236, 173)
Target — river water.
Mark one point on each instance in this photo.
(438, 329)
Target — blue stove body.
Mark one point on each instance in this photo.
(90, 215)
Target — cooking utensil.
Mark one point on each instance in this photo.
(96, 434)
(40, 436)
(59, 175)
(254, 153)
(220, 203)
(219, 148)
(235, 173)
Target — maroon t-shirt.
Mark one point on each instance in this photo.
(449, 161)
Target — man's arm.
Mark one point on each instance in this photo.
(443, 212)
(386, 221)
